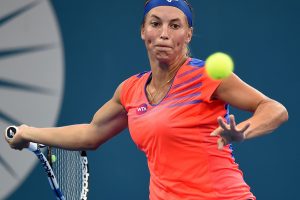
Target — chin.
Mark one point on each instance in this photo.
(164, 57)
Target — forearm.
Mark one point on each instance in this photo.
(74, 137)
(267, 117)
(108, 121)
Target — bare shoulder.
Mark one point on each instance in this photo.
(112, 112)
(117, 95)
(239, 94)
(110, 119)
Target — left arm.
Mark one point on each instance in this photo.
(268, 114)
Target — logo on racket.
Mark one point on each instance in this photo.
(85, 178)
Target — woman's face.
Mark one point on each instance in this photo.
(166, 33)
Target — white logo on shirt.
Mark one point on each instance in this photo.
(141, 109)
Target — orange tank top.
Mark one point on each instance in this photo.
(183, 158)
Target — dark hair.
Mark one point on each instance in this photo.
(147, 1)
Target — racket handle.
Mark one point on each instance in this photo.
(11, 131)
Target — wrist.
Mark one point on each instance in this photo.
(25, 132)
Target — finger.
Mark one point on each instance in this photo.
(245, 127)
(222, 123)
(217, 131)
(221, 143)
(17, 148)
(232, 122)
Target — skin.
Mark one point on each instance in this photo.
(166, 35)
(107, 122)
(268, 114)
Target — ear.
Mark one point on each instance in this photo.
(143, 32)
(189, 35)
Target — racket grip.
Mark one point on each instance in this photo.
(11, 131)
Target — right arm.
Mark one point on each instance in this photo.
(107, 122)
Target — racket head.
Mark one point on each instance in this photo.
(72, 172)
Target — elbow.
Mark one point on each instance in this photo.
(91, 145)
(94, 146)
(284, 115)
(89, 140)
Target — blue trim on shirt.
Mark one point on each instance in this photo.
(196, 62)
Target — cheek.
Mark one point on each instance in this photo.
(150, 37)
(180, 41)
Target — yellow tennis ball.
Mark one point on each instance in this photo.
(219, 65)
(53, 158)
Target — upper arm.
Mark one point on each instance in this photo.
(237, 93)
(110, 119)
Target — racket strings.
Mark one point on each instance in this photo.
(68, 170)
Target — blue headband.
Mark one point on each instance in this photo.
(180, 4)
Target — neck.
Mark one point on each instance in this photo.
(163, 73)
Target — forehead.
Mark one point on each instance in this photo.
(167, 12)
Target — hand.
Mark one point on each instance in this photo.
(18, 142)
(229, 132)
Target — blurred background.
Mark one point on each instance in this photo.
(60, 61)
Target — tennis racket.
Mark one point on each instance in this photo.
(67, 171)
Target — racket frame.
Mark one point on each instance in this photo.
(34, 148)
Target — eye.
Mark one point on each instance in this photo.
(175, 26)
(154, 23)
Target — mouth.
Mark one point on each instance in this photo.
(163, 46)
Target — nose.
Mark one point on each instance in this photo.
(164, 35)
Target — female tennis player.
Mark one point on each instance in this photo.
(176, 115)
